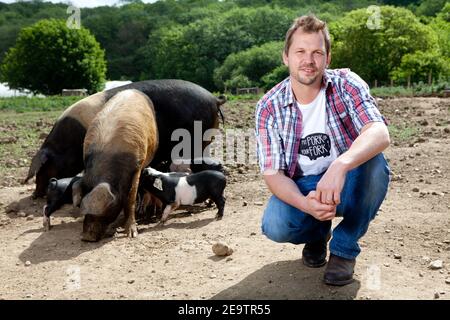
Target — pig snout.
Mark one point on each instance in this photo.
(93, 229)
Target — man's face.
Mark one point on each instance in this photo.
(307, 57)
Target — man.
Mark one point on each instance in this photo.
(319, 142)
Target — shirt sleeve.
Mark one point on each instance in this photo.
(363, 107)
(269, 146)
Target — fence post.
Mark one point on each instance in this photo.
(409, 81)
(376, 83)
(430, 77)
(392, 82)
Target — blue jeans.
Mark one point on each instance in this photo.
(364, 190)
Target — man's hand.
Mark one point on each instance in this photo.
(317, 209)
(329, 188)
(286, 190)
(374, 138)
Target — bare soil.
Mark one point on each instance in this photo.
(175, 261)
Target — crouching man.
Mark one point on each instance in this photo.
(319, 142)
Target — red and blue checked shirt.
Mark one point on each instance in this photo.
(278, 131)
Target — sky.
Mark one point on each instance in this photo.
(84, 3)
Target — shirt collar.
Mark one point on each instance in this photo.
(289, 95)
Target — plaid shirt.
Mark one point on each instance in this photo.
(278, 131)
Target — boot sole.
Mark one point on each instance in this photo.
(338, 282)
(318, 265)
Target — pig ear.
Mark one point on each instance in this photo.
(158, 184)
(98, 200)
(53, 183)
(39, 159)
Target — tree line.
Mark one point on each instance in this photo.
(221, 45)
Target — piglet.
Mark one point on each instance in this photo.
(59, 192)
(175, 190)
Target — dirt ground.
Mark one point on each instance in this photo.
(175, 261)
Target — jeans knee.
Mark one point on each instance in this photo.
(377, 173)
(276, 230)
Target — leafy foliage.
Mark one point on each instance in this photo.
(249, 67)
(375, 53)
(193, 39)
(419, 65)
(194, 51)
(49, 56)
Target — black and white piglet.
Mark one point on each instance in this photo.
(174, 190)
(59, 192)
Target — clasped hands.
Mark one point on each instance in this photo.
(322, 202)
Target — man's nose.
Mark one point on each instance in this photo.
(308, 59)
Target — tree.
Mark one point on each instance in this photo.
(430, 7)
(48, 56)
(248, 67)
(419, 65)
(441, 26)
(275, 76)
(194, 51)
(374, 50)
(15, 16)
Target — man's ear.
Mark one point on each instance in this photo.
(285, 59)
(328, 59)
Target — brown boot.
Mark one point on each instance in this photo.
(314, 253)
(339, 271)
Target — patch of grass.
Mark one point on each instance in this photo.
(416, 90)
(29, 104)
(239, 114)
(244, 97)
(391, 92)
(402, 133)
(20, 138)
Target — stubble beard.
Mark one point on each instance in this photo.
(304, 80)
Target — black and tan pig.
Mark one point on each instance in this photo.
(121, 141)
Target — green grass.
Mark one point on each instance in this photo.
(19, 138)
(22, 122)
(26, 104)
(416, 90)
(392, 92)
(402, 133)
(243, 97)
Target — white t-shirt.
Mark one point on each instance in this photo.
(317, 151)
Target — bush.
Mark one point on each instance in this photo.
(49, 57)
(373, 53)
(248, 68)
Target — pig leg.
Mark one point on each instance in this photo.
(167, 210)
(220, 203)
(139, 205)
(209, 203)
(130, 225)
(112, 228)
(76, 193)
(146, 202)
(46, 222)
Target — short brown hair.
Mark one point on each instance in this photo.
(308, 24)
